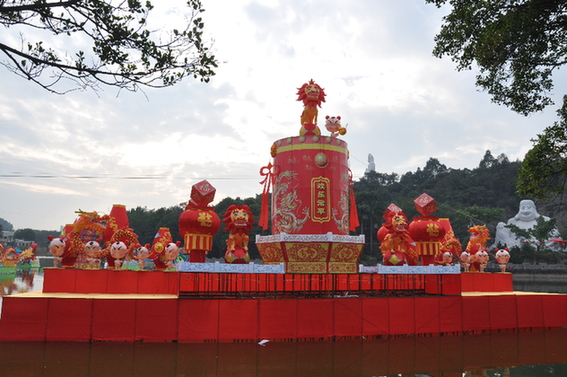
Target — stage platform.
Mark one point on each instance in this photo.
(102, 305)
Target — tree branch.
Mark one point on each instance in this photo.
(36, 7)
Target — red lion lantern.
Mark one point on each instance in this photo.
(239, 220)
(397, 246)
(312, 95)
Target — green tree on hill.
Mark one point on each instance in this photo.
(25, 234)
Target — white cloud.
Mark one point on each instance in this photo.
(373, 59)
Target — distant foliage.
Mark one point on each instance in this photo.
(482, 196)
(25, 234)
(6, 225)
(485, 195)
(146, 222)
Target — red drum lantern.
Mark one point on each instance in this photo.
(199, 222)
(427, 231)
(311, 187)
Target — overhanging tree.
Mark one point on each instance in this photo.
(517, 45)
(123, 53)
(543, 173)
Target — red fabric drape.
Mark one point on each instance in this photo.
(354, 223)
(69, 320)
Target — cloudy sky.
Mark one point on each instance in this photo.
(373, 58)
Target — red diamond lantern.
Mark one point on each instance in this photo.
(202, 194)
(391, 208)
(425, 205)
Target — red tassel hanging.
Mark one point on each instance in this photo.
(354, 223)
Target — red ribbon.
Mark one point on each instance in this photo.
(270, 173)
(354, 223)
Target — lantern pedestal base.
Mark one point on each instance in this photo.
(198, 256)
(312, 253)
(81, 305)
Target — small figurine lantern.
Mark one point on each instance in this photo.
(481, 257)
(93, 250)
(427, 231)
(141, 253)
(171, 252)
(161, 240)
(56, 248)
(502, 257)
(117, 220)
(465, 259)
(447, 258)
(118, 251)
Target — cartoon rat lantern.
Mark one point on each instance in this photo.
(239, 220)
(333, 125)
